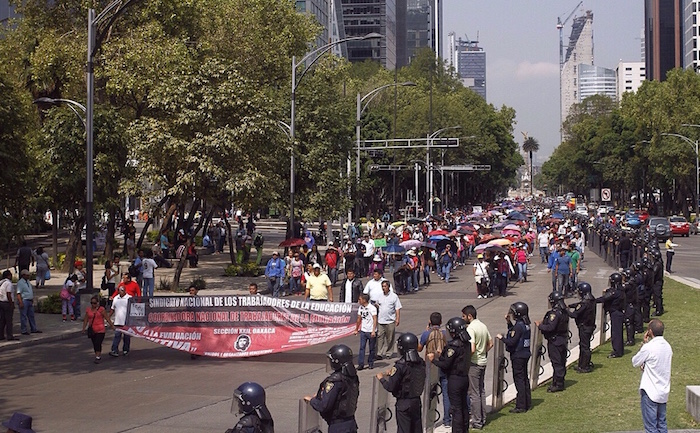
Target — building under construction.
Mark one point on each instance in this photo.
(579, 51)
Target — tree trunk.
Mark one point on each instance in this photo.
(229, 235)
(190, 240)
(150, 220)
(109, 241)
(73, 244)
(168, 216)
(54, 237)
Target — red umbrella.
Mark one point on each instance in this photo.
(437, 232)
(454, 233)
(292, 242)
(486, 238)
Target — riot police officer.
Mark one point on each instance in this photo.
(517, 342)
(657, 270)
(249, 399)
(405, 381)
(555, 328)
(584, 314)
(336, 399)
(454, 361)
(631, 305)
(613, 301)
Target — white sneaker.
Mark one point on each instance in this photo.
(479, 297)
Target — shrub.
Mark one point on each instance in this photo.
(50, 304)
(152, 236)
(61, 257)
(244, 270)
(165, 285)
(199, 283)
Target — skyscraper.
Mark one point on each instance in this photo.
(630, 75)
(6, 12)
(320, 9)
(423, 27)
(579, 51)
(596, 80)
(663, 37)
(470, 65)
(691, 32)
(361, 17)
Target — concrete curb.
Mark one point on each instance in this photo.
(43, 338)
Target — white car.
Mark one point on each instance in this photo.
(582, 210)
(603, 210)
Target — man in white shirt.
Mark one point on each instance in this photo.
(120, 304)
(388, 319)
(543, 244)
(373, 288)
(7, 306)
(367, 328)
(654, 358)
(369, 254)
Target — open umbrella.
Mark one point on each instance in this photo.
(516, 216)
(487, 238)
(512, 227)
(441, 244)
(411, 243)
(398, 223)
(394, 249)
(415, 220)
(437, 232)
(292, 242)
(465, 230)
(431, 245)
(437, 238)
(496, 248)
(481, 248)
(500, 242)
(453, 234)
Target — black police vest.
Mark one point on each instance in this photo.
(413, 380)
(563, 324)
(630, 293)
(460, 366)
(658, 272)
(617, 303)
(346, 403)
(587, 317)
(522, 350)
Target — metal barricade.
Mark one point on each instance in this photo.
(538, 350)
(431, 396)
(309, 420)
(500, 363)
(381, 414)
(604, 325)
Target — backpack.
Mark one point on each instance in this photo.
(134, 270)
(258, 240)
(436, 342)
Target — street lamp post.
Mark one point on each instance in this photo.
(318, 52)
(429, 173)
(697, 164)
(358, 125)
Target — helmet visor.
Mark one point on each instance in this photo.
(237, 403)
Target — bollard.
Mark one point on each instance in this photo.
(499, 366)
(381, 414)
(538, 350)
(309, 420)
(431, 397)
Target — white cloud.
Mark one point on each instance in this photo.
(527, 70)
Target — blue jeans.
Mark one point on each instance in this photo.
(554, 281)
(446, 418)
(274, 286)
(416, 272)
(148, 286)
(522, 271)
(333, 275)
(653, 415)
(366, 337)
(26, 313)
(117, 338)
(563, 282)
(446, 268)
(294, 284)
(543, 254)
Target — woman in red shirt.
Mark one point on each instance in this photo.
(94, 318)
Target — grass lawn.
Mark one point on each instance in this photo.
(607, 400)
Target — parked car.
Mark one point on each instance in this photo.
(679, 226)
(642, 214)
(660, 227)
(582, 210)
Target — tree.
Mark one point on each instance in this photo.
(531, 145)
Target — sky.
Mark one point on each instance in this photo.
(522, 52)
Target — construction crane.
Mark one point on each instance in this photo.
(560, 27)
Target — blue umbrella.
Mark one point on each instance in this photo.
(516, 216)
(394, 249)
(437, 238)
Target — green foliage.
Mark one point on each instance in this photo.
(199, 283)
(152, 236)
(165, 285)
(50, 304)
(60, 257)
(244, 270)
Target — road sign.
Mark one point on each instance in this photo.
(605, 194)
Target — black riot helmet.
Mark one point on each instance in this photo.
(340, 356)
(457, 327)
(637, 266)
(250, 397)
(626, 275)
(407, 343)
(655, 253)
(615, 278)
(556, 300)
(519, 310)
(584, 290)
(646, 262)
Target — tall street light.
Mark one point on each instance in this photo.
(358, 125)
(318, 52)
(697, 163)
(429, 173)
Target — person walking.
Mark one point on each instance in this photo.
(42, 267)
(148, 265)
(562, 268)
(446, 261)
(25, 301)
(522, 259)
(7, 306)
(481, 276)
(388, 317)
(110, 278)
(94, 326)
(66, 295)
(24, 257)
(274, 272)
(318, 286)
(654, 359)
(481, 343)
(351, 288)
(366, 326)
(120, 305)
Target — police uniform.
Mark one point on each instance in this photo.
(454, 361)
(631, 310)
(584, 314)
(657, 288)
(517, 342)
(613, 300)
(336, 401)
(555, 327)
(405, 382)
(251, 423)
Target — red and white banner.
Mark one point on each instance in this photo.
(238, 326)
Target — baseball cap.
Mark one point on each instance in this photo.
(317, 266)
(480, 256)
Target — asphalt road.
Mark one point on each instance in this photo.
(156, 389)
(687, 257)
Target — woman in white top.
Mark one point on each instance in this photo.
(481, 276)
(148, 266)
(42, 266)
